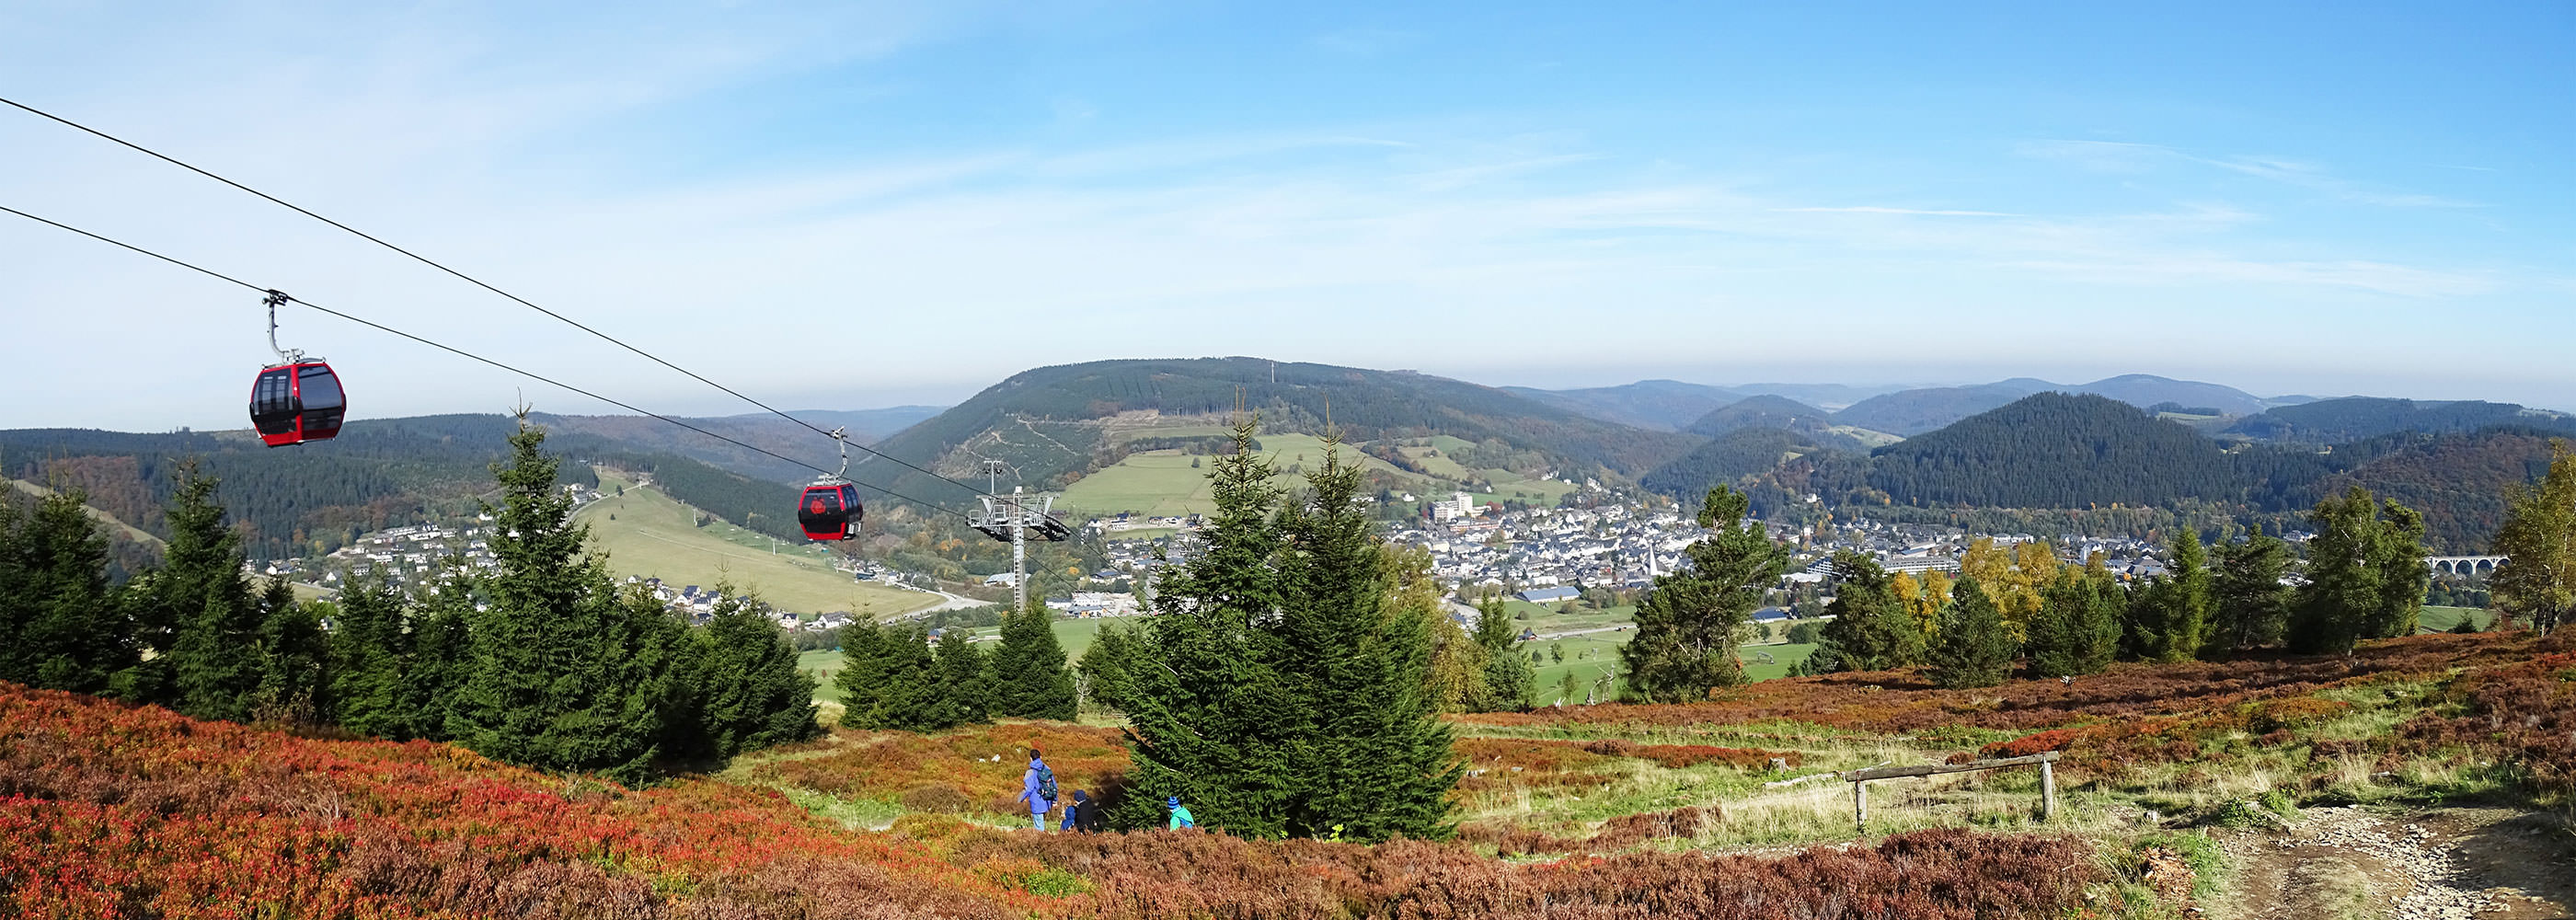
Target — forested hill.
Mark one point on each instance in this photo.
(1661, 405)
(2461, 481)
(1740, 453)
(779, 436)
(2055, 450)
(1055, 423)
(1761, 412)
(2338, 421)
(378, 473)
(1913, 412)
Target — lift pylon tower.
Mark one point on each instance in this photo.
(1014, 518)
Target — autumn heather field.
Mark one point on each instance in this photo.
(1605, 811)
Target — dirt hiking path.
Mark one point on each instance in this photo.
(2436, 864)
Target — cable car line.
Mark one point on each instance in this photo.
(285, 298)
(477, 282)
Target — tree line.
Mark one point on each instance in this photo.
(2019, 607)
(542, 661)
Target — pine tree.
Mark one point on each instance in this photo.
(889, 681)
(1210, 719)
(1870, 630)
(1685, 645)
(371, 651)
(214, 655)
(750, 694)
(1026, 676)
(1975, 650)
(565, 674)
(1376, 756)
(61, 626)
(2251, 605)
(965, 678)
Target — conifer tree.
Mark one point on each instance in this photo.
(1026, 676)
(1507, 677)
(1870, 630)
(1209, 716)
(1374, 756)
(61, 625)
(215, 628)
(565, 674)
(1975, 650)
(442, 653)
(371, 651)
(965, 677)
(294, 660)
(2251, 605)
(2184, 629)
(749, 693)
(1685, 646)
(2078, 627)
(1103, 668)
(889, 681)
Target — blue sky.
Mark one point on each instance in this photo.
(853, 205)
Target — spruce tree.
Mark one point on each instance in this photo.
(294, 671)
(61, 626)
(371, 651)
(1507, 679)
(1870, 629)
(442, 654)
(2188, 621)
(1104, 666)
(888, 680)
(1209, 716)
(565, 674)
(1975, 649)
(1026, 675)
(216, 629)
(1685, 645)
(750, 693)
(2077, 630)
(965, 678)
(1375, 755)
(2251, 605)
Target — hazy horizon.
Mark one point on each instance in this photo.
(889, 203)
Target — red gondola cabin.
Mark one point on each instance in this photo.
(295, 403)
(830, 511)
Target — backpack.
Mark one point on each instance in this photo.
(1046, 782)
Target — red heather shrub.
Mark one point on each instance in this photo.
(2525, 714)
(1898, 702)
(899, 765)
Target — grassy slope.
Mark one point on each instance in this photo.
(1163, 482)
(2441, 619)
(654, 535)
(131, 532)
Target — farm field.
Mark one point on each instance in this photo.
(1075, 635)
(1163, 482)
(647, 533)
(2441, 619)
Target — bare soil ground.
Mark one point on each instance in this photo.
(2433, 864)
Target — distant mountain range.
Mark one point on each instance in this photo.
(1896, 410)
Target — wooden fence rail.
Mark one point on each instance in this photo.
(2047, 781)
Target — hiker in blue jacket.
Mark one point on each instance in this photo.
(1037, 787)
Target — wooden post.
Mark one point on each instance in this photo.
(1860, 806)
(2047, 791)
